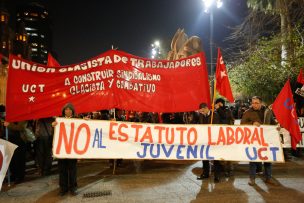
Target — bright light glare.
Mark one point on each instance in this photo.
(153, 52)
(157, 43)
(219, 3)
(209, 3)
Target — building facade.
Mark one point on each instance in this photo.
(31, 39)
(6, 46)
(33, 18)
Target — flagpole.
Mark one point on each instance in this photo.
(213, 100)
(8, 169)
(213, 90)
(115, 160)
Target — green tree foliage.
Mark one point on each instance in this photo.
(262, 72)
(264, 5)
(270, 43)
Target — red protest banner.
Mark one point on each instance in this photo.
(114, 79)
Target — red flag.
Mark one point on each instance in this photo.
(52, 62)
(284, 109)
(300, 78)
(113, 79)
(222, 80)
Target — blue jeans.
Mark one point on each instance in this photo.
(253, 167)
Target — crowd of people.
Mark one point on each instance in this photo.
(250, 114)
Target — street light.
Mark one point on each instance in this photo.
(208, 8)
(155, 49)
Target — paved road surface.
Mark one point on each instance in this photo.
(160, 181)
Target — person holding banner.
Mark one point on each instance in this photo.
(257, 115)
(226, 117)
(224, 112)
(67, 167)
(205, 118)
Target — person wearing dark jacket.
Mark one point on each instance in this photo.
(205, 118)
(15, 136)
(67, 167)
(257, 115)
(224, 112)
(226, 118)
(44, 135)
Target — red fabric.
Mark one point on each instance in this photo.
(300, 78)
(285, 112)
(160, 119)
(127, 115)
(34, 93)
(222, 81)
(52, 62)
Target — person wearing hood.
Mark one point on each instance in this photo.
(226, 118)
(67, 167)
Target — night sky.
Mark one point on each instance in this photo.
(84, 29)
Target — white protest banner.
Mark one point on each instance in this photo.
(77, 138)
(284, 134)
(6, 152)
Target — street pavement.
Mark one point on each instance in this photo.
(160, 181)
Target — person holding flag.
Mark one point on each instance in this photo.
(205, 118)
(221, 81)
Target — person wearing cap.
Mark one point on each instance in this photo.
(67, 167)
(205, 118)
